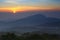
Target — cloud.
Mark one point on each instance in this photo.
(11, 1)
(30, 2)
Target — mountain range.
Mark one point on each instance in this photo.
(36, 22)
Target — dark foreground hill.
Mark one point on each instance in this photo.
(29, 36)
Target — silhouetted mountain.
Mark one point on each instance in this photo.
(36, 20)
(34, 23)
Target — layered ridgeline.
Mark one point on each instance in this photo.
(36, 22)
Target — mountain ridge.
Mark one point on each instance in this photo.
(36, 19)
(36, 22)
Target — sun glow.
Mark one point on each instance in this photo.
(17, 9)
(23, 8)
(14, 10)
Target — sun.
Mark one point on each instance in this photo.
(14, 10)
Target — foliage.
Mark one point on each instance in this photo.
(29, 36)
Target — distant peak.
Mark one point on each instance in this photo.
(38, 15)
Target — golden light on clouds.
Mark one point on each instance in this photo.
(23, 8)
(14, 9)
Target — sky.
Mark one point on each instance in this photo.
(7, 6)
(22, 5)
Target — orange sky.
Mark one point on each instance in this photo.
(23, 5)
(24, 8)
